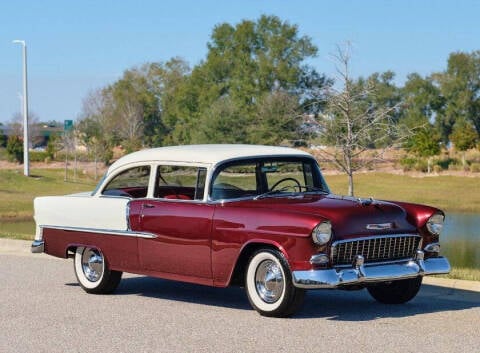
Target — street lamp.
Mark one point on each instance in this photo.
(26, 167)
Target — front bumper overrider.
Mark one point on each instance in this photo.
(365, 273)
(38, 247)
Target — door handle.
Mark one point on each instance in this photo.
(148, 205)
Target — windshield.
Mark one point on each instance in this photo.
(267, 177)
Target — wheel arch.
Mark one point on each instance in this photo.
(72, 248)
(237, 277)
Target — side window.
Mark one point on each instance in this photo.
(235, 181)
(180, 182)
(132, 182)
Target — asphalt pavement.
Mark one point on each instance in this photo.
(42, 309)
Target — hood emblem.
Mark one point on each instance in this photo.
(380, 226)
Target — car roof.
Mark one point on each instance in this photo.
(205, 154)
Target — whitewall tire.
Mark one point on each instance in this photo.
(92, 272)
(269, 287)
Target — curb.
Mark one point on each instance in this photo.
(22, 247)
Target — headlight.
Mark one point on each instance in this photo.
(322, 233)
(435, 223)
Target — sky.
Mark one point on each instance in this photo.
(74, 47)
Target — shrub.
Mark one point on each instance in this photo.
(475, 167)
(445, 163)
(408, 163)
(15, 149)
(37, 156)
(455, 166)
(421, 166)
(437, 168)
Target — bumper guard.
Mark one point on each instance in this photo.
(38, 246)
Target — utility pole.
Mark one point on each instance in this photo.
(26, 162)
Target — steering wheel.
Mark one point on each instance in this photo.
(286, 179)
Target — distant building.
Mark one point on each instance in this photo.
(39, 133)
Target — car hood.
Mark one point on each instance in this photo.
(350, 217)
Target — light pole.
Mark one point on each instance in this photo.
(26, 166)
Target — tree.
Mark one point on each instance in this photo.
(353, 121)
(425, 142)
(463, 136)
(3, 138)
(96, 128)
(245, 65)
(277, 119)
(460, 86)
(15, 149)
(169, 84)
(422, 103)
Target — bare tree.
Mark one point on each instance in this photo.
(352, 124)
(16, 126)
(130, 116)
(95, 126)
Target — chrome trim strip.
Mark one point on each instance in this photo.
(125, 233)
(331, 278)
(38, 247)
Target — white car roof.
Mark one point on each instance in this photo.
(205, 154)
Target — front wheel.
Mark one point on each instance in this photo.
(396, 292)
(93, 273)
(269, 287)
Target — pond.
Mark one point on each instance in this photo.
(460, 240)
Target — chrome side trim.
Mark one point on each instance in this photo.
(331, 278)
(125, 233)
(38, 247)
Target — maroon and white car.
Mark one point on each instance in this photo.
(255, 216)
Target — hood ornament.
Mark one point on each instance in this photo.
(365, 202)
(380, 226)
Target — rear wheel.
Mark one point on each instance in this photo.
(396, 292)
(269, 287)
(92, 271)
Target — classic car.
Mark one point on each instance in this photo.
(254, 216)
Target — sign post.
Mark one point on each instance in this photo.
(67, 128)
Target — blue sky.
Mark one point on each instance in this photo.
(77, 46)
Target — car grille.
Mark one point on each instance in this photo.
(375, 249)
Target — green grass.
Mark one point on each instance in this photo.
(17, 193)
(450, 193)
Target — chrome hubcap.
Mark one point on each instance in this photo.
(269, 281)
(92, 264)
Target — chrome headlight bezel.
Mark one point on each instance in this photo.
(435, 223)
(322, 233)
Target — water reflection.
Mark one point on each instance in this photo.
(460, 240)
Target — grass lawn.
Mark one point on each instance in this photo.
(17, 193)
(450, 193)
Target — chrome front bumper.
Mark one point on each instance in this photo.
(333, 278)
(38, 246)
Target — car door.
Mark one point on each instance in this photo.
(182, 224)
